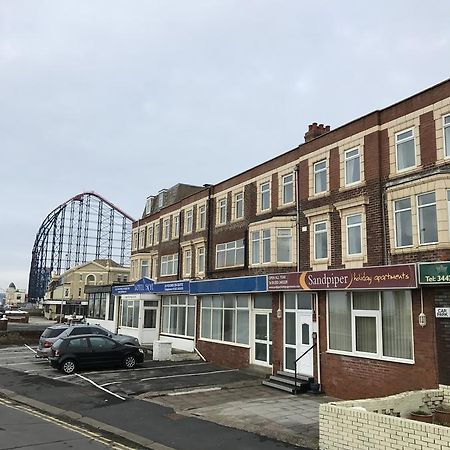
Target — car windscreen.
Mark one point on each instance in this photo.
(52, 332)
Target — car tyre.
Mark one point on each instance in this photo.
(129, 362)
(68, 366)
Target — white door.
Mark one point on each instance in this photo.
(263, 338)
(298, 326)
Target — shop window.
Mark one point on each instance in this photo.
(178, 315)
(130, 314)
(372, 324)
(97, 305)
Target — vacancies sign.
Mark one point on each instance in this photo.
(379, 277)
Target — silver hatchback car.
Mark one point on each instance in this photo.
(55, 332)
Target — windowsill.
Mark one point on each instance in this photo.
(178, 336)
(420, 248)
(265, 211)
(409, 170)
(319, 195)
(286, 205)
(375, 357)
(168, 275)
(230, 267)
(234, 344)
(239, 219)
(352, 186)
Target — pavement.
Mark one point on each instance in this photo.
(238, 402)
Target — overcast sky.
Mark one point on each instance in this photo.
(127, 97)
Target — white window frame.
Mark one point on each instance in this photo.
(144, 264)
(286, 184)
(347, 229)
(201, 220)
(187, 263)
(222, 211)
(156, 233)
(348, 159)
(188, 221)
(265, 193)
(402, 141)
(201, 260)
(320, 232)
(319, 173)
(232, 246)
(445, 127)
(176, 225)
(287, 238)
(419, 207)
(135, 239)
(400, 211)
(239, 205)
(150, 235)
(166, 229)
(256, 247)
(169, 262)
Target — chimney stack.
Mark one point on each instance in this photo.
(315, 131)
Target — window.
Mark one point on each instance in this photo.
(187, 262)
(354, 234)
(256, 247)
(150, 235)
(130, 313)
(142, 238)
(169, 264)
(111, 307)
(320, 176)
(287, 185)
(403, 222)
(264, 192)
(202, 217)
(230, 254)
(156, 235)
(201, 260)
(222, 218)
(188, 221)
(144, 268)
(239, 205)
(97, 305)
(320, 240)
(261, 247)
(405, 149)
(284, 245)
(166, 229)
(135, 240)
(426, 205)
(446, 125)
(176, 225)
(178, 315)
(352, 166)
(371, 323)
(225, 318)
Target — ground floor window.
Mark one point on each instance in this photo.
(178, 315)
(371, 323)
(130, 313)
(97, 305)
(225, 318)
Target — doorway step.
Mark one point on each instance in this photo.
(285, 381)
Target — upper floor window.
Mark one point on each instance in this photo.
(135, 240)
(287, 185)
(166, 229)
(284, 245)
(264, 192)
(261, 247)
(446, 124)
(222, 218)
(320, 176)
(188, 221)
(320, 240)
(230, 254)
(169, 264)
(239, 205)
(405, 149)
(150, 235)
(426, 206)
(156, 233)
(176, 225)
(144, 268)
(352, 166)
(201, 217)
(403, 222)
(142, 238)
(187, 263)
(354, 234)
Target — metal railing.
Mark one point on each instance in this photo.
(296, 361)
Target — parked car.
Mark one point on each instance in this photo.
(51, 334)
(69, 354)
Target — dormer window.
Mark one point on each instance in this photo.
(149, 204)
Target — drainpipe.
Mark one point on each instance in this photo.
(319, 378)
(208, 232)
(297, 210)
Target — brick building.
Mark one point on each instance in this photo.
(318, 252)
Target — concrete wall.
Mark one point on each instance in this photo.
(374, 423)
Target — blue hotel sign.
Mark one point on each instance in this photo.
(148, 286)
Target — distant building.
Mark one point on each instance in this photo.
(66, 291)
(14, 297)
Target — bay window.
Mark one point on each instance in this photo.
(426, 206)
(403, 222)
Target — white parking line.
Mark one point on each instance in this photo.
(189, 374)
(23, 363)
(100, 387)
(29, 348)
(195, 391)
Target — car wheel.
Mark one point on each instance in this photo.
(129, 361)
(68, 366)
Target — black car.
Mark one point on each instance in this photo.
(92, 351)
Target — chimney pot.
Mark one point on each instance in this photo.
(315, 131)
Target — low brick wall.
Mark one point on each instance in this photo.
(30, 337)
(383, 423)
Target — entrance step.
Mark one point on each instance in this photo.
(285, 381)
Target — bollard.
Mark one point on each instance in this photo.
(4, 323)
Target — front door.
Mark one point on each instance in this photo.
(298, 327)
(263, 338)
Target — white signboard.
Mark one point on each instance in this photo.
(442, 313)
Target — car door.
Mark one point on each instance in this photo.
(78, 348)
(105, 351)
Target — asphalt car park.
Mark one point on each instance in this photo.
(149, 377)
